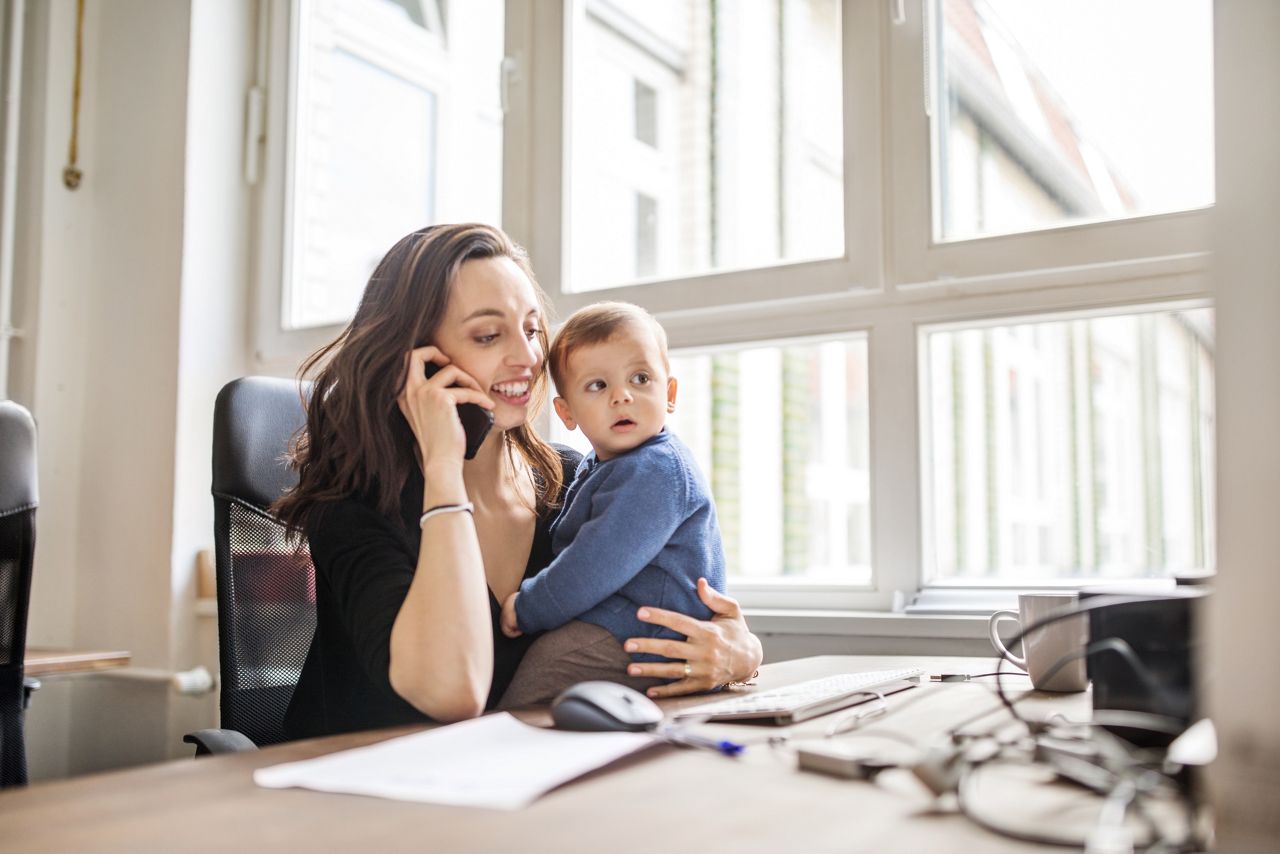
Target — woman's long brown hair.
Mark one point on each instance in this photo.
(354, 440)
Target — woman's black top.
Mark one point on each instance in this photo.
(364, 565)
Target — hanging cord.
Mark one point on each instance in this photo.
(71, 175)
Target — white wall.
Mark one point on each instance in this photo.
(213, 341)
(1242, 676)
(131, 297)
(48, 371)
(106, 365)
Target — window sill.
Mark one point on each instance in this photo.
(953, 612)
(884, 624)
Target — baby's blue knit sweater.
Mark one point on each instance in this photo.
(638, 529)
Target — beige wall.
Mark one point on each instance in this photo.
(131, 298)
(213, 345)
(1242, 676)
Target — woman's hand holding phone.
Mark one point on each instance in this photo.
(476, 421)
(430, 404)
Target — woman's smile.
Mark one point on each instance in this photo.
(515, 393)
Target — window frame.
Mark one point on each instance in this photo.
(1103, 250)
(958, 587)
(893, 280)
(540, 104)
(278, 348)
(891, 283)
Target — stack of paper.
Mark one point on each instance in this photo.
(494, 761)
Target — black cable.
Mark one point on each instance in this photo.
(959, 677)
(1159, 723)
(954, 731)
(1122, 648)
(1094, 604)
(964, 799)
(1131, 762)
(1139, 720)
(1133, 720)
(1156, 840)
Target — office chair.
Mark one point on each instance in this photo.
(18, 502)
(266, 588)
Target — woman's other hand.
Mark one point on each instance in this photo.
(430, 405)
(714, 651)
(510, 625)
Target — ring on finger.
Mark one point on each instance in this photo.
(688, 670)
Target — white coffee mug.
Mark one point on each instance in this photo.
(1047, 646)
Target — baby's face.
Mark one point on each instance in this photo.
(617, 391)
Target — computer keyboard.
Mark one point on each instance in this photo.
(803, 700)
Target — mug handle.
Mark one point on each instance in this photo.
(996, 618)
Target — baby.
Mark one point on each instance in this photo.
(637, 526)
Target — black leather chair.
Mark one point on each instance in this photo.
(18, 500)
(266, 588)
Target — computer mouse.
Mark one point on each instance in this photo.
(604, 707)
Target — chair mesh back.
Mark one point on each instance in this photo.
(267, 616)
(266, 589)
(17, 549)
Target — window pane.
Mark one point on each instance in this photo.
(1056, 111)
(726, 115)
(781, 433)
(375, 156)
(1072, 448)
(646, 114)
(646, 235)
(362, 189)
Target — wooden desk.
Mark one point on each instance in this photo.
(38, 661)
(665, 798)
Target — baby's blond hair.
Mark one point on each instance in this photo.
(595, 324)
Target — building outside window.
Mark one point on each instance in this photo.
(646, 114)
(749, 160)
(1071, 449)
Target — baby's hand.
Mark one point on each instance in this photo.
(510, 626)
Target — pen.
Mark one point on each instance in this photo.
(688, 739)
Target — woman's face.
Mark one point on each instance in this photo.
(490, 331)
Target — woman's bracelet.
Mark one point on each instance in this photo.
(743, 683)
(441, 509)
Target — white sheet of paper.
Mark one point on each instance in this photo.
(493, 761)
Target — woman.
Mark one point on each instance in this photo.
(414, 546)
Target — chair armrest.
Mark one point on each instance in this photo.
(211, 742)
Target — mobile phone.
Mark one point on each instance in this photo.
(476, 420)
